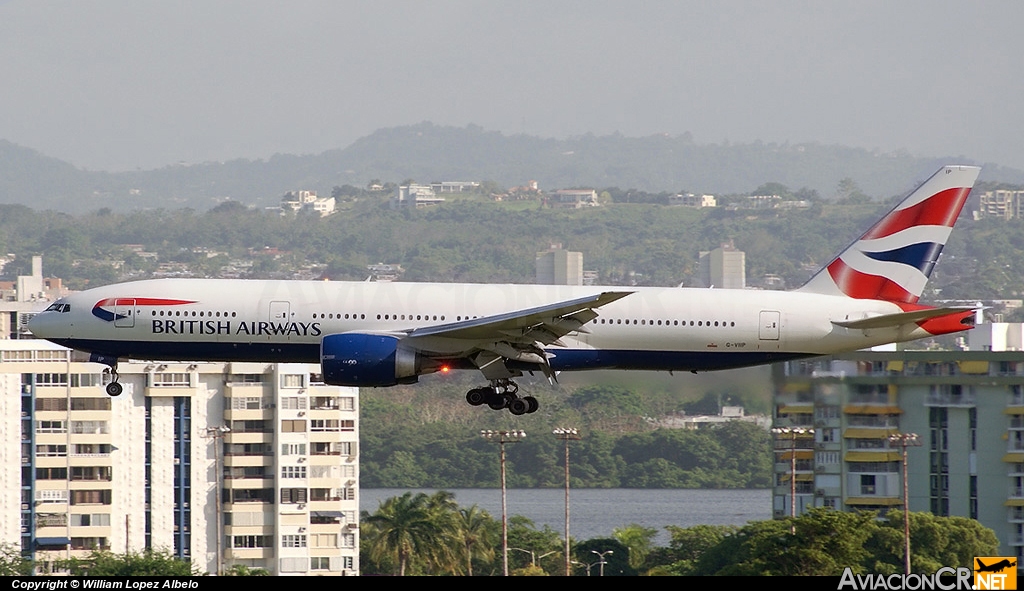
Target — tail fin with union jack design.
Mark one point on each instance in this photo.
(893, 260)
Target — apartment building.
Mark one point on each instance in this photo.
(222, 463)
(966, 408)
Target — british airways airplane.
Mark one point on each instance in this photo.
(382, 334)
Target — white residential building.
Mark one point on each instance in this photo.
(221, 463)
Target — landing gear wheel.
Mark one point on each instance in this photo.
(114, 388)
(477, 396)
(532, 404)
(519, 406)
(497, 401)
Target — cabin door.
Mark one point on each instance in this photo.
(769, 327)
(124, 313)
(280, 312)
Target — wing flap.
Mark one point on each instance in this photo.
(556, 320)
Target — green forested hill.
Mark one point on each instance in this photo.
(482, 241)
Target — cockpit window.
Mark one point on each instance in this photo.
(59, 307)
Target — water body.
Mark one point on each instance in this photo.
(594, 513)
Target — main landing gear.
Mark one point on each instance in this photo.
(114, 387)
(503, 394)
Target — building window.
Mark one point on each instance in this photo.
(170, 380)
(293, 403)
(867, 484)
(51, 379)
(51, 427)
(53, 404)
(293, 449)
(248, 402)
(90, 427)
(50, 519)
(91, 449)
(90, 403)
(90, 544)
(248, 495)
(51, 451)
(86, 380)
(103, 473)
(291, 380)
(293, 426)
(324, 425)
(324, 540)
(293, 541)
(293, 495)
(90, 520)
(246, 378)
(293, 471)
(51, 473)
(251, 541)
(91, 497)
(51, 496)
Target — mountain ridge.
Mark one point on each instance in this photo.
(426, 152)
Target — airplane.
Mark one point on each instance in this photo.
(995, 567)
(382, 334)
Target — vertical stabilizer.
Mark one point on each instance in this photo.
(893, 260)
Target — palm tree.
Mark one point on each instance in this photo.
(475, 531)
(407, 527)
(639, 540)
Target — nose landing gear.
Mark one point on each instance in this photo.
(114, 387)
(503, 394)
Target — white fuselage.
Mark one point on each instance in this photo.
(651, 328)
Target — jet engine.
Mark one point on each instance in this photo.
(356, 359)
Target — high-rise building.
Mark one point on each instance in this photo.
(724, 267)
(557, 266)
(966, 408)
(224, 464)
(1001, 203)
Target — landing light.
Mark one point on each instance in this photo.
(445, 369)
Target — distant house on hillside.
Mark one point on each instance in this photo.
(415, 196)
(726, 415)
(573, 198)
(296, 201)
(454, 186)
(691, 200)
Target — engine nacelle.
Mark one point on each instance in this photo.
(355, 359)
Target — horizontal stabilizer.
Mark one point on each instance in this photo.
(893, 320)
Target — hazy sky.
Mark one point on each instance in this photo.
(120, 84)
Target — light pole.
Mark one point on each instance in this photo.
(533, 555)
(567, 435)
(501, 438)
(905, 440)
(602, 561)
(793, 432)
(217, 433)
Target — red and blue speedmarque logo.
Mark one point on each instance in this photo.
(101, 311)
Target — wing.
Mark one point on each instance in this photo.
(517, 336)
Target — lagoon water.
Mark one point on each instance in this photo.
(595, 513)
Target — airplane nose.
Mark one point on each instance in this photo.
(36, 325)
(42, 325)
